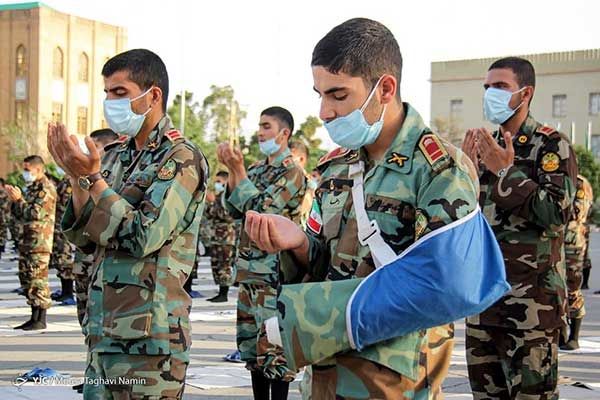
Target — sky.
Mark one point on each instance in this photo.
(262, 48)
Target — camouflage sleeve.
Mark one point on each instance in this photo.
(144, 229)
(74, 228)
(273, 199)
(545, 201)
(39, 208)
(587, 261)
(447, 196)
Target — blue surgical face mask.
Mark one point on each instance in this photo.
(219, 187)
(269, 147)
(496, 106)
(28, 176)
(121, 118)
(312, 184)
(352, 131)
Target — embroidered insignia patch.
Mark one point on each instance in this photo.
(434, 152)
(41, 194)
(420, 223)
(105, 173)
(315, 222)
(546, 130)
(397, 158)
(69, 190)
(153, 145)
(580, 194)
(173, 135)
(522, 139)
(167, 171)
(340, 151)
(550, 162)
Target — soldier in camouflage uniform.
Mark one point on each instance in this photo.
(587, 261)
(576, 249)
(15, 227)
(414, 184)
(139, 212)
(4, 217)
(36, 211)
(275, 185)
(527, 175)
(221, 245)
(63, 252)
(82, 266)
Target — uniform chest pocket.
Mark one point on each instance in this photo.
(395, 217)
(128, 286)
(137, 184)
(332, 210)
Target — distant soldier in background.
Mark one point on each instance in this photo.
(576, 246)
(4, 217)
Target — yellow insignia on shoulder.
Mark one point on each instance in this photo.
(105, 173)
(69, 190)
(153, 145)
(167, 171)
(41, 194)
(550, 162)
(580, 194)
(397, 158)
(522, 139)
(545, 130)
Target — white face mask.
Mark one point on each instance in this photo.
(121, 118)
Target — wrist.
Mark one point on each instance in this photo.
(501, 172)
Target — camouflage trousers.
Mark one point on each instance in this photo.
(16, 231)
(256, 304)
(62, 258)
(132, 376)
(82, 270)
(3, 235)
(574, 280)
(33, 275)
(221, 259)
(506, 363)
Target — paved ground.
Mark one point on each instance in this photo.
(61, 347)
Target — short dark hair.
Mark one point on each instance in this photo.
(223, 174)
(282, 115)
(145, 68)
(296, 144)
(360, 47)
(34, 159)
(522, 68)
(2, 181)
(104, 136)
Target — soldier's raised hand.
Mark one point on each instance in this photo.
(68, 154)
(273, 233)
(232, 157)
(494, 156)
(469, 146)
(14, 193)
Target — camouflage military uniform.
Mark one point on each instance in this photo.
(420, 185)
(576, 246)
(82, 272)
(276, 188)
(143, 231)
(62, 257)
(221, 242)
(15, 227)
(512, 347)
(36, 210)
(4, 218)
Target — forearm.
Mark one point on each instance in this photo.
(235, 177)
(80, 198)
(300, 253)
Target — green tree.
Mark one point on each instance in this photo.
(194, 128)
(589, 167)
(307, 133)
(221, 113)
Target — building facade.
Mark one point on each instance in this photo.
(567, 94)
(50, 70)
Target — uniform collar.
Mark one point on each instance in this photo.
(155, 139)
(399, 156)
(526, 131)
(279, 159)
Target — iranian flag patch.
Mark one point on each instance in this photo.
(315, 222)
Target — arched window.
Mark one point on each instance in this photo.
(83, 67)
(58, 63)
(21, 67)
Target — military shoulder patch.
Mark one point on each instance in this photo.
(173, 135)
(332, 155)
(522, 139)
(315, 221)
(41, 194)
(105, 173)
(397, 158)
(435, 152)
(167, 171)
(580, 194)
(550, 162)
(546, 130)
(287, 162)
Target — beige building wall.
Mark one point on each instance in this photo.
(43, 30)
(574, 74)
